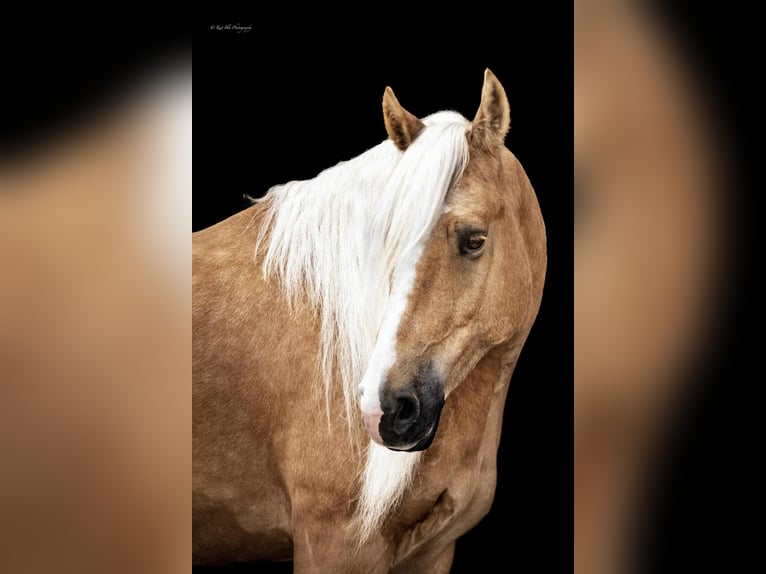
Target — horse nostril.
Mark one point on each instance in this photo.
(405, 413)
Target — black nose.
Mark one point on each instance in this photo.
(405, 413)
(411, 411)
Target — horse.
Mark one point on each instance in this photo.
(354, 337)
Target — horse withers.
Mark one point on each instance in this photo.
(354, 339)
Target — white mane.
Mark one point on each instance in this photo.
(336, 241)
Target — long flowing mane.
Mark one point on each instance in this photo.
(338, 241)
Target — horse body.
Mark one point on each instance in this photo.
(277, 471)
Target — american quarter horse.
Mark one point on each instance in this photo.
(337, 323)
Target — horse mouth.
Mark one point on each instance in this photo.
(423, 443)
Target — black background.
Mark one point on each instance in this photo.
(268, 113)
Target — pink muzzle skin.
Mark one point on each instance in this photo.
(371, 423)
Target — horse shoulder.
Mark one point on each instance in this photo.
(240, 507)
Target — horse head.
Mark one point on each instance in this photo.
(470, 286)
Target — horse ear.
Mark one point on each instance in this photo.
(401, 125)
(493, 119)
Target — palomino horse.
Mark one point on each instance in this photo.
(390, 294)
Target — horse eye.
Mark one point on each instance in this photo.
(473, 243)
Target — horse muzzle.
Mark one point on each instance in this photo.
(409, 414)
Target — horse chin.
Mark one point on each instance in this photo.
(422, 444)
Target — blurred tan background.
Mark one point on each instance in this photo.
(658, 287)
(95, 345)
